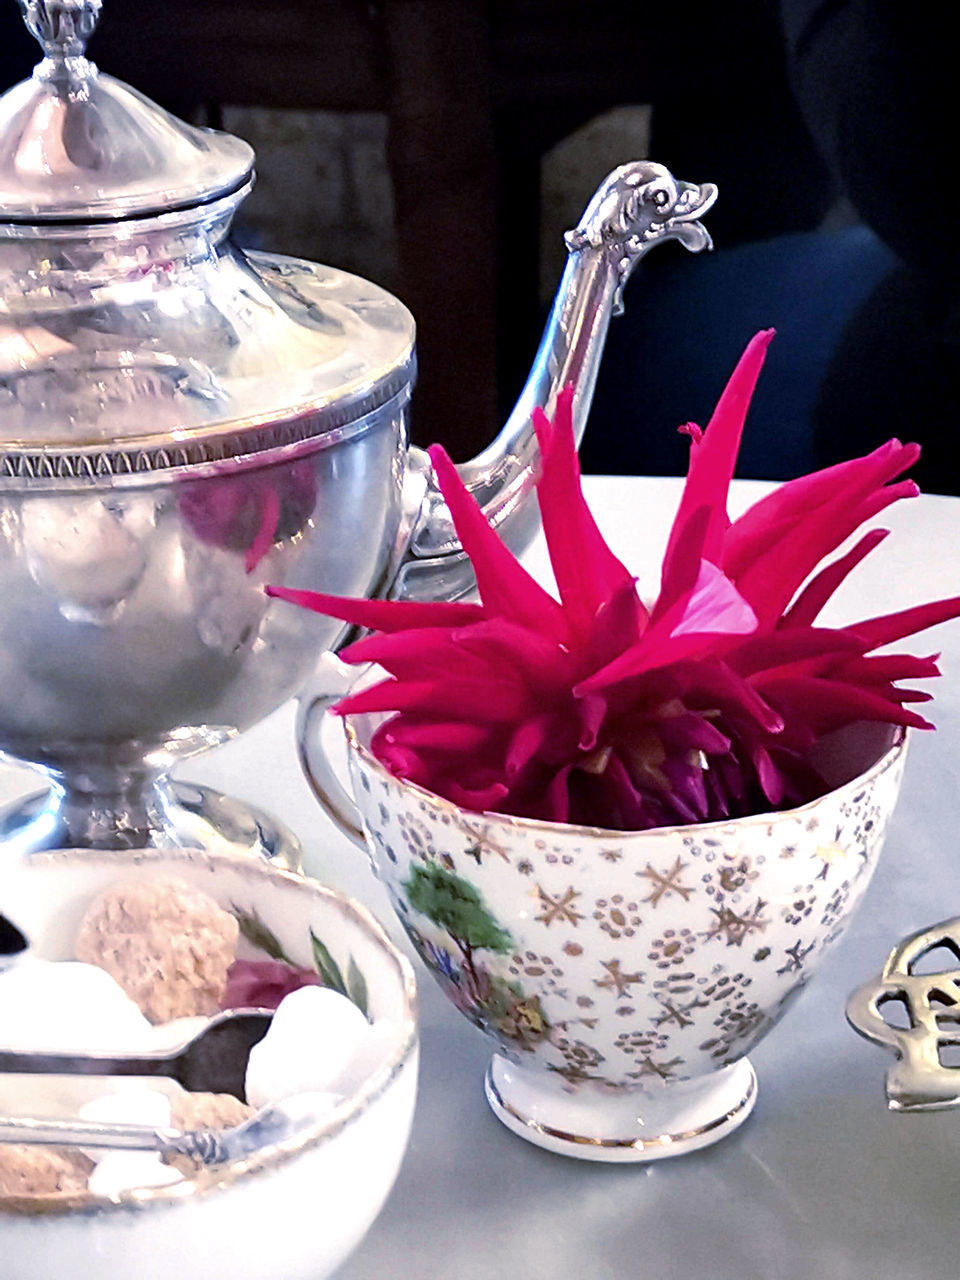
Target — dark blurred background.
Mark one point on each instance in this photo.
(440, 147)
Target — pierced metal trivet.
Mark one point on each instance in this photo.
(917, 1015)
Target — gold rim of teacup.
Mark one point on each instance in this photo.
(222, 1176)
(884, 761)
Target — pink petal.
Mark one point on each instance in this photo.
(485, 701)
(818, 591)
(418, 654)
(912, 695)
(688, 790)
(657, 649)
(769, 776)
(774, 576)
(619, 624)
(480, 799)
(798, 500)
(887, 668)
(382, 615)
(586, 570)
(679, 574)
(435, 735)
(715, 605)
(689, 732)
(528, 655)
(713, 459)
(556, 798)
(527, 743)
(624, 804)
(592, 711)
(715, 680)
(505, 586)
(407, 763)
(907, 622)
(828, 704)
(773, 650)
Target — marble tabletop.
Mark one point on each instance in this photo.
(822, 1181)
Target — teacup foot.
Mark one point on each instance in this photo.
(593, 1124)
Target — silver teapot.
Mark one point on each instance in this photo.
(183, 422)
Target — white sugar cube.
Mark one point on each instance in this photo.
(67, 1006)
(313, 1037)
(131, 1103)
(121, 1171)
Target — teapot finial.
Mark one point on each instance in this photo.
(62, 28)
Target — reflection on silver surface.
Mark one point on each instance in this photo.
(913, 1009)
(86, 552)
(182, 423)
(75, 144)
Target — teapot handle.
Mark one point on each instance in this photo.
(331, 683)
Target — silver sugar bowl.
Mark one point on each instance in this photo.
(182, 423)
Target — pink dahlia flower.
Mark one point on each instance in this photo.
(595, 709)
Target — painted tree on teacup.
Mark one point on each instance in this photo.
(595, 709)
(492, 1002)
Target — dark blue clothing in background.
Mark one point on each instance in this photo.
(687, 320)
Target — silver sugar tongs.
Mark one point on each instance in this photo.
(272, 1125)
(214, 1060)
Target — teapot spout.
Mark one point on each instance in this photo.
(639, 205)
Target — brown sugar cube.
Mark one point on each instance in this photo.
(204, 1111)
(167, 944)
(41, 1171)
(208, 1111)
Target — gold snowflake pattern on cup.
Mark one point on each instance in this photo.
(559, 907)
(617, 980)
(643, 1046)
(542, 968)
(480, 842)
(672, 947)
(697, 919)
(733, 927)
(580, 1061)
(730, 874)
(617, 916)
(667, 883)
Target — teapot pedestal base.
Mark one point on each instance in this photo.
(173, 815)
(589, 1123)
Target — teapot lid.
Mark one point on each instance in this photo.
(79, 146)
(135, 338)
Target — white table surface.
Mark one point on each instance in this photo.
(822, 1182)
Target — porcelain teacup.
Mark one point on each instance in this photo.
(623, 976)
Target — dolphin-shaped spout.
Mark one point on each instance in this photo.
(638, 205)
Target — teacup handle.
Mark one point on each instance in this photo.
(332, 682)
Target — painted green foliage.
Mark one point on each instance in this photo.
(352, 984)
(457, 907)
